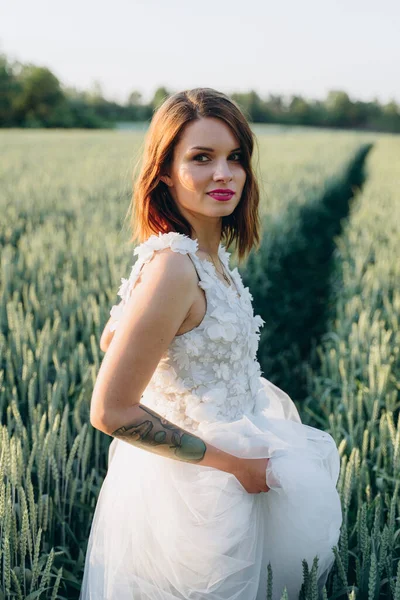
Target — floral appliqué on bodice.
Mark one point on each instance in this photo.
(211, 372)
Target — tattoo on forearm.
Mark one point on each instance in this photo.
(155, 434)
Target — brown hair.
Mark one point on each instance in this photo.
(152, 207)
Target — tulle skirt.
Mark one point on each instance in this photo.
(165, 529)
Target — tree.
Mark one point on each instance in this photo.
(391, 109)
(40, 101)
(339, 107)
(160, 95)
(135, 98)
(299, 110)
(95, 95)
(8, 90)
(251, 105)
(276, 104)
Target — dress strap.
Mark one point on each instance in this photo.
(195, 264)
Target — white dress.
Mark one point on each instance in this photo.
(165, 529)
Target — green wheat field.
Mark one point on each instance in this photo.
(326, 279)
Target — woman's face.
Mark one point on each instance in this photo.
(195, 172)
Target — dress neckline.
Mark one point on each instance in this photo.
(225, 266)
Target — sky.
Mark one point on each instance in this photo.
(304, 47)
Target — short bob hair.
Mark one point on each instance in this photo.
(152, 207)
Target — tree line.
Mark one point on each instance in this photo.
(32, 96)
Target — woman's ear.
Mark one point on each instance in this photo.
(166, 179)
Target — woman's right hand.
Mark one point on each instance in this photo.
(251, 473)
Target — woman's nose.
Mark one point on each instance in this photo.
(223, 172)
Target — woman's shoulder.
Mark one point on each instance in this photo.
(160, 257)
(175, 241)
(163, 257)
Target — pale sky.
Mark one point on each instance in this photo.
(304, 47)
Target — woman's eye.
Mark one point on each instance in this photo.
(238, 154)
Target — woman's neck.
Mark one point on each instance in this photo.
(208, 243)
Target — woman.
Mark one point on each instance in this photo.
(211, 475)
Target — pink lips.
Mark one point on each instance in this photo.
(221, 196)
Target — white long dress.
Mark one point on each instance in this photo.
(165, 529)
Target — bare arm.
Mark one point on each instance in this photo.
(156, 309)
(106, 336)
(149, 430)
